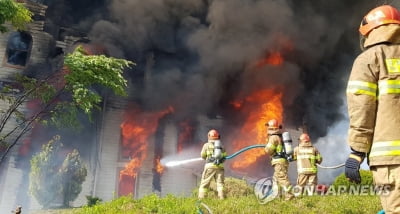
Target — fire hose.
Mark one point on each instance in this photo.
(244, 149)
(176, 163)
(201, 204)
(262, 145)
(331, 167)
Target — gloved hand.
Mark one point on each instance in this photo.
(352, 166)
(210, 159)
(219, 161)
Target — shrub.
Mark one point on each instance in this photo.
(341, 180)
(53, 180)
(91, 201)
(233, 187)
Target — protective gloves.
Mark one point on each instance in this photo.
(352, 166)
(219, 161)
(211, 159)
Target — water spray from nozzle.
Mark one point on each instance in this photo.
(181, 162)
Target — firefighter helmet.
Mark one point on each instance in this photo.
(304, 138)
(213, 134)
(272, 124)
(381, 15)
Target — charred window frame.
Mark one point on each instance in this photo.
(124, 153)
(19, 45)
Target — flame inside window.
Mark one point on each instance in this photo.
(136, 131)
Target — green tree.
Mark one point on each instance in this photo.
(342, 182)
(44, 177)
(15, 13)
(73, 174)
(62, 96)
(51, 178)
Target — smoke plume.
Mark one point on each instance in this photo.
(202, 53)
(198, 55)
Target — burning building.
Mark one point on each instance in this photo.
(20, 51)
(200, 65)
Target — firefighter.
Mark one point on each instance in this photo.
(307, 157)
(275, 149)
(373, 97)
(214, 154)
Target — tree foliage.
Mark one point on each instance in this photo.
(60, 97)
(90, 70)
(73, 174)
(44, 177)
(15, 13)
(52, 179)
(341, 180)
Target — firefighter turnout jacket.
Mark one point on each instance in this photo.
(207, 153)
(373, 97)
(274, 148)
(307, 157)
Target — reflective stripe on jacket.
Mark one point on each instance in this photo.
(208, 151)
(373, 97)
(307, 157)
(274, 147)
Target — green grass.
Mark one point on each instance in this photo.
(246, 204)
(240, 199)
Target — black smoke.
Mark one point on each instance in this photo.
(200, 52)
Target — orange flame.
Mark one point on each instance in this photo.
(137, 128)
(275, 55)
(261, 106)
(236, 104)
(274, 58)
(158, 167)
(185, 134)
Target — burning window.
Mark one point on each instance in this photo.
(18, 48)
(126, 184)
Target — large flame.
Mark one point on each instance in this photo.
(136, 130)
(259, 107)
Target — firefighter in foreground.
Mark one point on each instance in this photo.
(307, 157)
(276, 150)
(214, 154)
(373, 97)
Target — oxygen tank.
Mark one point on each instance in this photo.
(217, 150)
(288, 145)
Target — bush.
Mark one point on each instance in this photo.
(341, 180)
(91, 201)
(233, 187)
(53, 180)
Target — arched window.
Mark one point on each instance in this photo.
(18, 48)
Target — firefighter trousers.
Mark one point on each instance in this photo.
(207, 176)
(387, 178)
(282, 179)
(307, 183)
